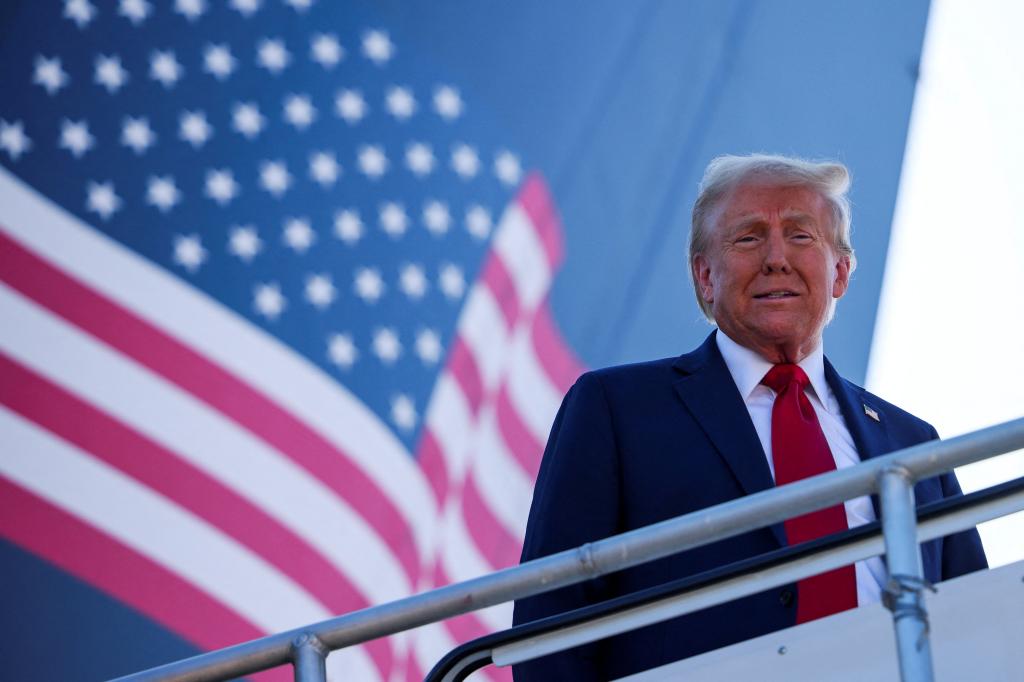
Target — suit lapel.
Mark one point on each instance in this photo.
(709, 393)
(870, 435)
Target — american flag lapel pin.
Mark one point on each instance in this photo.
(871, 413)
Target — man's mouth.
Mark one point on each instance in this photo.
(777, 294)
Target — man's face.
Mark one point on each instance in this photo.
(770, 272)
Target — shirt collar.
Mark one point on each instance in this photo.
(748, 368)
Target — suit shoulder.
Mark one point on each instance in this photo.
(630, 374)
(894, 412)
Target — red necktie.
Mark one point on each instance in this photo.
(799, 450)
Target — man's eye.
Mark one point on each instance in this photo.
(747, 239)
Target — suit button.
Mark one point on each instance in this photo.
(786, 597)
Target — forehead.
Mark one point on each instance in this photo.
(759, 201)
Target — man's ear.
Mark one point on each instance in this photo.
(702, 276)
(842, 280)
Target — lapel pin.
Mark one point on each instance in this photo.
(871, 413)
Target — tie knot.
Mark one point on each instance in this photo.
(781, 376)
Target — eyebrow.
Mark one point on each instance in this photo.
(798, 217)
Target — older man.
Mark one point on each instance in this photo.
(756, 405)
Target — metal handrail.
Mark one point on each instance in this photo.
(719, 585)
(890, 475)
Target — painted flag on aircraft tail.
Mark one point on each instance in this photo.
(275, 342)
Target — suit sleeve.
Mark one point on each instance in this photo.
(962, 552)
(575, 501)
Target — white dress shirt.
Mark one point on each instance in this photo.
(747, 369)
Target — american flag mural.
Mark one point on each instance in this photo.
(275, 343)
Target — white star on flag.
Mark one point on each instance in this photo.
(325, 50)
(403, 412)
(190, 9)
(75, 137)
(300, 5)
(419, 158)
(136, 11)
(412, 281)
(110, 74)
(377, 47)
(386, 345)
(393, 219)
(320, 291)
(221, 186)
(244, 242)
(465, 162)
(102, 199)
(341, 350)
(164, 67)
(299, 111)
(478, 221)
(350, 105)
(324, 168)
(348, 227)
(79, 11)
(275, 178)
(162, 193)
(368, 284)
(49, 74)
(246, 7)
(268, 300)
(273, 56)
(298, 234)
(428, 346)
(136, 134)
(194, 128)
(447, 102)
(189, 252)
(247, 119)
(400, 103)
(218, 61)
(13, 139)
(436, 217)
(507, 168)
(452, 281)
(372, 161)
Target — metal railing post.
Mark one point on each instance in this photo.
(309, 658)
(903, 592)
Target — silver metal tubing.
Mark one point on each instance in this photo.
(605, 556)
(903, 591)
(309, 659)
(742, 586)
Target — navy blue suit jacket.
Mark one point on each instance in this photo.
(638, 444)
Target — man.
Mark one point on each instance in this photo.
(756, 405)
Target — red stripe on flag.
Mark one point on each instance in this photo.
(521, 443)
(492, 539)
(463, 367)
(536, 200)
(111, 441)
(434, 466)
(555, 356)
(497, 278)
(120, 328)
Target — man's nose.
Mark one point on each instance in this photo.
(775, 254)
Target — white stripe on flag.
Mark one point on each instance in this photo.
(502, 481)
(530, 390)
(485, 333)
(521, 251)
